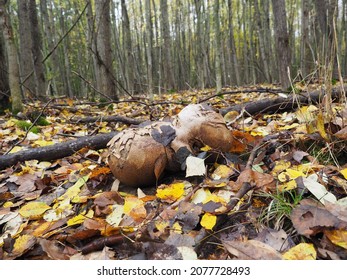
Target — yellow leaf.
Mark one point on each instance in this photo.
(338, 237)
(79, 219)
(200, 195)
(208, 221)
(161, 225)
(344, 172)
(34, 210)
(22, 244)
(130, 203)
(75, 189)
(306, 114)
(43, 143)
(205, 148)
(172, 192)
(290, 185)
(320, 126)
(7, 204)
(16, 149)
(280, 166)
(176, 227)
(302, 251)
(222, 172)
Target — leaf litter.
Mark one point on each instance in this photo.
(72, 208)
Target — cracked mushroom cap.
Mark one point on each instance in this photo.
(138, 156)
(199, 125)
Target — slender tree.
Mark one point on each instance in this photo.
(282, 41)
(12, 58)
(25, 55)
(149, 38)
(4, 87)
(166, 50)
(218, 49)
(128, 49)
(104, 51)
(36, 49)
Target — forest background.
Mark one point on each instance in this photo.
(115, 48)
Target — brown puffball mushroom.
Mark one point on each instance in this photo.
(198, 125)
(138, 156)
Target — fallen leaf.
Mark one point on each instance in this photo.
(318, 190)
(338, 237)
(195, 166)
(22, 244)
(251, 250)
(208, 221)
(33, 210)
(310, 217)
(302, 251)
(171, 192)
(116, 216)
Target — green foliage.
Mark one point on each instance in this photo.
(42, 121)
(24, 125)
(280, 207)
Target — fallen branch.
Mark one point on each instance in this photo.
(57, 151)
(259, 90)
(282, 104)
(121, 119)
(109, 241)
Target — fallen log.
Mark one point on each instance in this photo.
(121, 119)
(57, 151)
(283, 104)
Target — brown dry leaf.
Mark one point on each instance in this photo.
(251, 250)
(101, 225)
(310, 218)
(53, 249)
(262, 181)
(276, 239)
(342, 134)
(241, 140)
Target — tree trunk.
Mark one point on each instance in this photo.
(169, 80)
(149, 38)
(67, 69)
(103, 51)
(36, 49)
(53, 64)
(282, 41)
(218, 49)
(128, 48)
(12, 58)
(260, 31)
(234, 60)
(4, 87)
(25, 55)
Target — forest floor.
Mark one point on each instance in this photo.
(291, 203)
